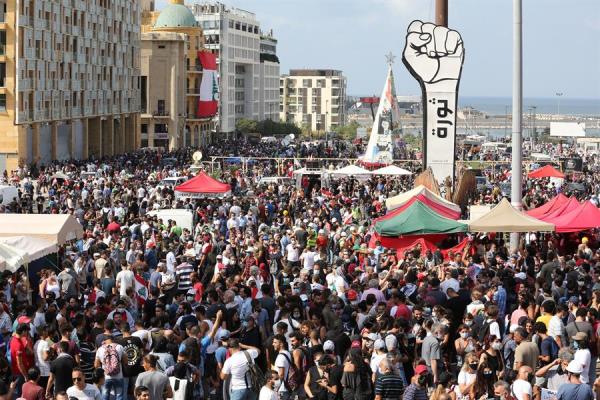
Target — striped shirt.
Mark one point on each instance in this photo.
(183, 272)
(413, 392)
(389, 386)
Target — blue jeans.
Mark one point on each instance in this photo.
(242, 394)
(112, 385)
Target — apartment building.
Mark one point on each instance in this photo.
(69, 78)
(170, 78)
(234, 35)
(268, 102)
(313, 97)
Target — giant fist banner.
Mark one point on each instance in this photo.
(434, 56)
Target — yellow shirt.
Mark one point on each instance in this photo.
(545, 319)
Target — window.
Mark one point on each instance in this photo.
(2, 102)
(161, 107)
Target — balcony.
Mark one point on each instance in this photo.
(40, 115)
(40, 23)
(24, 84)
(55, 113)
(161, 114)
(195, 91)
(25, 115)
(24, 20)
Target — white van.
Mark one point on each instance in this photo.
(8, 194)
(184, 218)
(172, 182)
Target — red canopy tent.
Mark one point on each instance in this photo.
(202, 185)
(571, 205)
(548, 207)
(547, 171)
(433, 205)
(586, 216)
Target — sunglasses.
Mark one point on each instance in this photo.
(77, 378)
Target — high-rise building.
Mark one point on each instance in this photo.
(268, 102)
(245, 79)
(69, 76)
(313, 97)
(170, 78)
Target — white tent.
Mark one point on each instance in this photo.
(35, 247)
(351, 170)
(11, 258)
(391, 170)
(55, 228)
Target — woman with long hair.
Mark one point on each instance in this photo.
(467, 376)
(356, 378)
(492, 354)
(49, 284)
(484, 383)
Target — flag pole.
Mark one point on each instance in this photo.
(517, 115)
(441, 12)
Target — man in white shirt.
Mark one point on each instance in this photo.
(114, 381)
(82, 390)
(267, 392)
(236, 368)
(521, 388)
(124, 280)
(582, 355)
(308, 258)
(282, 364)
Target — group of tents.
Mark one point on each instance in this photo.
(421, 217)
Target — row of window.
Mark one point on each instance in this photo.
(242, 26)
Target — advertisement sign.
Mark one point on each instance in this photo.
(434, 56)
(567, 129)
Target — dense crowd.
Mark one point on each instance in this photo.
(281, 294)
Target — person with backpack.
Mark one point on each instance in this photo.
(245, 377)
(109, 357)
(132, 357)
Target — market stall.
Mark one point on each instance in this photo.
(57, 229)
(505, 218)
(425, 195)
(202, 185)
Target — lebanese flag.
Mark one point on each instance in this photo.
(209, 87)
(141, 290)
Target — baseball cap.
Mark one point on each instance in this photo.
(379, 344)
(575, 367)
(580, 336)
(356, 344)
(351, 295)
(421, 370)
(223, 334)
(328, 346)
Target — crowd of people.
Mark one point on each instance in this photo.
(282, 295)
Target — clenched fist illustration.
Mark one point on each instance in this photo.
(434, 55)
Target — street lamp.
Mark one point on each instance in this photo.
(558, 96)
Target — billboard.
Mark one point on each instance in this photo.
(567, 129)
(434, 56)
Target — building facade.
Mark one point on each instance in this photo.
(268, 102)
(69, 76)
(315, 98)
(245, 81)
(170, 78)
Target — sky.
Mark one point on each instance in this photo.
(561, 42)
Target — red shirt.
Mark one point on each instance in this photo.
(32, 391)
(21, 347)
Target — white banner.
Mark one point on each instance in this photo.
(434, 56)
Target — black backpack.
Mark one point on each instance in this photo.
(255, 379)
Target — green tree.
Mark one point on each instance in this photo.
(245, 125)
(347, 132)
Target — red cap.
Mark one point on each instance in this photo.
(421, 369)
(351, 295)
(356, 344)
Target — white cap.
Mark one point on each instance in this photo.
(379, 344)
(521, 275)
(391, 343)
(575, 367)
(328, 346)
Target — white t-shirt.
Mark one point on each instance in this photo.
(40, 347)
(464, 378)
(237, 366)
(267, 394)
(282, 362)
(100, 353)
(584, 357)
(292, 252)
(555, 327)
(376, 360)
(521, 387)
(309, 259)
(90, 392)
(125, 279)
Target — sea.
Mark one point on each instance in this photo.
(580, 110)
(557, 105)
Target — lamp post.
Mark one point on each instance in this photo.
(326, 118)
(517, 111)
(558, 96)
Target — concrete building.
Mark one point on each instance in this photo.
(69, 76)
(234, 35)
(313, 97)
(268, 102)
(170, 78)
